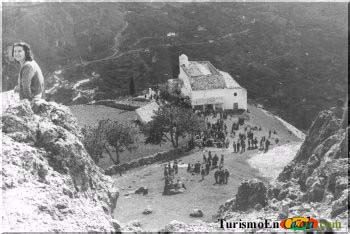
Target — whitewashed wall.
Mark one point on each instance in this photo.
(230, 99)
(226, 96)
(186, 88)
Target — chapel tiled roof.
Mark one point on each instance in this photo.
(203, 76)
(207, 82)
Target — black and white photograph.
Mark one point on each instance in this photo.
(174, 116)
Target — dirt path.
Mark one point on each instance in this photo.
(199, 194)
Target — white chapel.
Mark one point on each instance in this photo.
(210, 88)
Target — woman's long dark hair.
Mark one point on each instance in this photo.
(27, 51)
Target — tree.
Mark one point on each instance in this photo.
(172, 122)
(118, 137)
(109, 135)
(93, 142)
(132, 86)
(175, 97)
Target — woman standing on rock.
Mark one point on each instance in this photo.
(30, 79)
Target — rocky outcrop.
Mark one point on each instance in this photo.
(314, 184)
(250, 195)
(50, 183)
(321, 166)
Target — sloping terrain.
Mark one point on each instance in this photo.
(296, 51)
(49, 182)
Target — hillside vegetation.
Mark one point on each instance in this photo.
(291, 57)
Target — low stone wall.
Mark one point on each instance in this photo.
(114, 104)
(160, 156)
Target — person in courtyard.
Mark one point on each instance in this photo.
(207, 168)
(204, 159)
(221, 176)
(189, 167)
(175, 166)
(221, 164)
(226, 175)
(171, 172)
(277, 140)
(210, 160)
(227, 143)
(238, 146)
(166, 171)
(168, 184)
(243, 146)
(216, 176)
(261, 144)
(255, 143)
(215, 161)
(234, 147)
(267, 144)
(197, 167)
(121, 170)
(202, 172)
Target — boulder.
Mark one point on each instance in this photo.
(148, 210)
(142, 190)
(249, 194)
(135, 223)
(197, 213)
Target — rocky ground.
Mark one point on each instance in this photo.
(49, 182)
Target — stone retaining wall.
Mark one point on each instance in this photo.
(114, 104)
(160, 156)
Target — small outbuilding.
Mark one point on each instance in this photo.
(146, 112)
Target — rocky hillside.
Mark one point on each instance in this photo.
(49, 182)
(296, 51)
(320, 169)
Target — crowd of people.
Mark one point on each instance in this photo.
(209, 163)
(218, 134)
